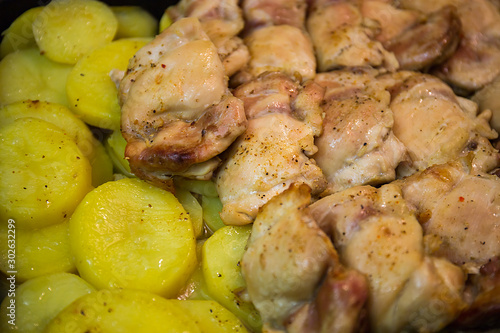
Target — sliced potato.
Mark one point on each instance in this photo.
(210, 316)
(26, 74)
(129, 234)
(38, 252)
(20, 33)
(134, 21)
(65, 30)
(39, 300)
(212, 207)
(122, 311)
(91, 92)
(59, 115)
(193, 207)
(221, 257)
(115, 145)
(196, 287)
(43, 174)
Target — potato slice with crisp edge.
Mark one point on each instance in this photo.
(62, 117)
(39, 300)
(43, 174)
(92, 94)
(210, 316)
(20, 33)
(134, 21)
(38, 252)
(115, 145)
(122, 311)
(221, 257)
(26, 74)
(65, 30)
(129, 234)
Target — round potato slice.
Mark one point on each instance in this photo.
(91, 92)
(134, 21)
(62, 117)
(39, 300)
(221, 267)
(65, 30)
(26, 74)
(210, 316)
(20, 33)
(129, 234)
(43, 174)
(38, 252)
(122, 311)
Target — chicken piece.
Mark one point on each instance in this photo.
(275, 149)
(483, 293)
(340, 305)
(436, 126)
(281, 48)
(341, 39)
(375, 233)
(417, 41)
(263, 13)
(488, 99)
(285, 262)
(459, 211)
(177, 111)
(477, 59)
(222, 20)
(357, 146)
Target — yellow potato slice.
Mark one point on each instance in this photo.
(134, 21)
(43, 174)
(129, 234)
(91, 92)
(39, 300)
(122, 311)
(65, 30)
(26, 74)
(221, 257)
(115, 145)
(210, 316)
(38, 252)
(59, 115)
(193, 207)
(20, 33)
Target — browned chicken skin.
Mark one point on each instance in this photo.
(222, 21)
(177, 112)
(375, 233)
(287, 258)
(275, 150)
(357, 146)
(437, 126)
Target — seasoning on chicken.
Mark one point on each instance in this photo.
(341, 37)
(436, 126)
(293, 274)
(375, 233)
(459, 211)
(222, 21)
(357, 146)
(275, 150)
(177, 111)
(418, 41)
